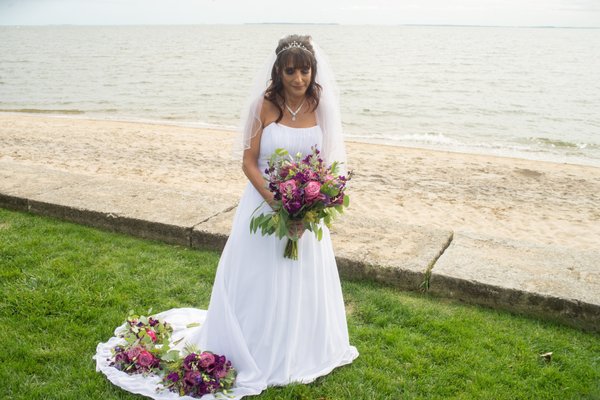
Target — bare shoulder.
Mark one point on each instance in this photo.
(268, 113)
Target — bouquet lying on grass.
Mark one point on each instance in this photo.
(146, 343)
(306, 192)
(147, 350)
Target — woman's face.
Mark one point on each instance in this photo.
(296, 80)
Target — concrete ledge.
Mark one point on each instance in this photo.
(208, 240)
(172, 234)
(213, 232)
(386, 250)
(558, 284)
(551, 282)
(13, 202)
(404, 279)
(567, 311)
(127, 199)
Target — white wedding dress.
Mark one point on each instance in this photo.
(278, 320)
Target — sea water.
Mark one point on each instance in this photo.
(520, 92)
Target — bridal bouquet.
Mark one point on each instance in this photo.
(147, 350)
(146, 343)
(306, 192)
(200, 373)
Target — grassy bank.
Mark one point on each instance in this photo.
(65, 287)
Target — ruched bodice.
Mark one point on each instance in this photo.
(294, 140)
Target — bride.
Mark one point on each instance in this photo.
(278, 320)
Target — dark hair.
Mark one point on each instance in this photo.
(298, 58)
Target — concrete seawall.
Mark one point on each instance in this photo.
(545, 281)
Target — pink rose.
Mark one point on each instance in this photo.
(152, 335)
(312, 190)
(206, 360)
(134, 352)
(145, 359)
(287, 186)
(312, 175)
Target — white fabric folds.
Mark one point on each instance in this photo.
(278, 320)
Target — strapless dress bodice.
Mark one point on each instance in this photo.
(294, 140)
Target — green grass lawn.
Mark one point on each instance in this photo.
(65, 287)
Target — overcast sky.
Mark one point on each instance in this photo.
(576, 13)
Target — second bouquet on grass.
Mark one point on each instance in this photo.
(306, 192)
(147, 349)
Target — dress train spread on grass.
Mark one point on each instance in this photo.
(278, 320)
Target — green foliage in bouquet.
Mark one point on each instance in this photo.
(196, 373)
(306, 192)
(147, 345)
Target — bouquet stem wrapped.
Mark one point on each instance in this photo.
(306, 193)
(291, 249)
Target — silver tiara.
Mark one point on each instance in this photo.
(292, 45)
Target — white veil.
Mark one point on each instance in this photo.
(328, 111)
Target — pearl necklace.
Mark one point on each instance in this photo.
(297, 110)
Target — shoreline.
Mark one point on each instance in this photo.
(537, 202)
(232, 129)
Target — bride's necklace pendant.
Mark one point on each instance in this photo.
(294, 113)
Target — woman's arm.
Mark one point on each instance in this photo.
(250, 167)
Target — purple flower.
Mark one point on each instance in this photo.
(193, 378)
(212, 386)
(292, 206)
(202, 388)
(312, 175)
(325, 199)
(188, 361)
(173, 377)
(339, 200)
(301, 177)
(121, 358)
(274, 188)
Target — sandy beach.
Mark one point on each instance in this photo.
(532, 201)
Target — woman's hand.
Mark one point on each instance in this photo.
(270, 199)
